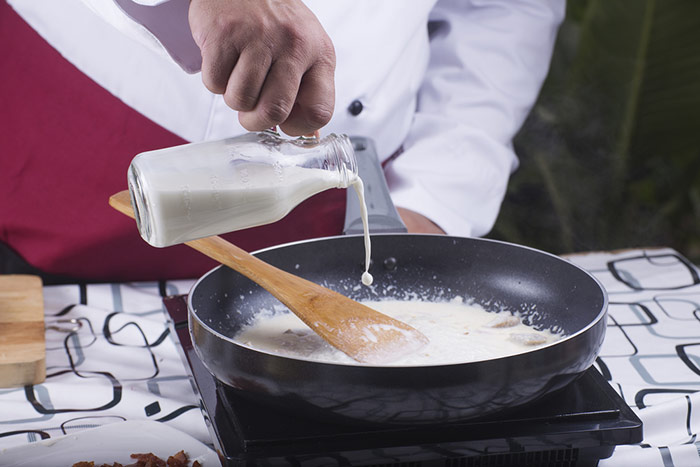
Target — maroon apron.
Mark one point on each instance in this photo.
(66, 144)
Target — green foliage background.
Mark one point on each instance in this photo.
(610, 154)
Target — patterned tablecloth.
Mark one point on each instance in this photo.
(123, 364)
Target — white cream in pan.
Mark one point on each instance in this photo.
(458, 333)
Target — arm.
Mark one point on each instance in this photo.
(418, 223)
(488, 61)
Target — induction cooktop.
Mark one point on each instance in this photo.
(575, 426)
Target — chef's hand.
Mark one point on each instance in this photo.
(417, 223)
(272, 61)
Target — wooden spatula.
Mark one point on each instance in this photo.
(357, 330)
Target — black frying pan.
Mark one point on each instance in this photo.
(547, 291)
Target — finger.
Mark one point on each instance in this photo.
(213, 77)
(276, 99)
(314, 104)
(247, 79)
(217, 64)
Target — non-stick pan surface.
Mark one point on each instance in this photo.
(545, 290)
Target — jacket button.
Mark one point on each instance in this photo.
(355, 108)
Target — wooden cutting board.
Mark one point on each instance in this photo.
(22, 341)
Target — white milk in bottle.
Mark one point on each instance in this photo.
(201, 189)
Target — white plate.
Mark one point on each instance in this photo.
(108, 444)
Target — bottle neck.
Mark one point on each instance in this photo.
(341, 157)
(333, 153)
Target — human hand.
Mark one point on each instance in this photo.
(417, 223)
(271, 59)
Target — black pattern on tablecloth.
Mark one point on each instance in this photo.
(121, 363)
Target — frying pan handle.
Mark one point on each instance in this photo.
(381, 212)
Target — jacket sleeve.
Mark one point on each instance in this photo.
(488, 61)
(160, 25)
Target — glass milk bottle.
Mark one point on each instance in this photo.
(200, 189)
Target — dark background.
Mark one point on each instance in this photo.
(610, 154)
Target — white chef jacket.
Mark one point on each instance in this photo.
(452, 98)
